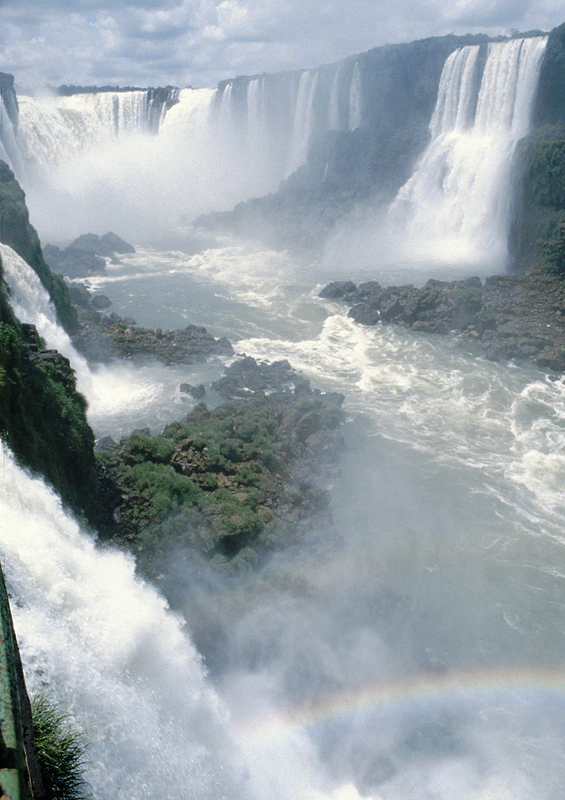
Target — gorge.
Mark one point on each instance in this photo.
(410, 646)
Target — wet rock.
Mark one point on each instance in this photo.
(510, 317)
(103, 338)
(105, 445)
(338, 289)
(248, 376)
(198, 392)
(85, 255)
(100, 301)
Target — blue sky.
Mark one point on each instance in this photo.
(199, 42)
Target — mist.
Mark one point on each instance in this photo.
(411, 649)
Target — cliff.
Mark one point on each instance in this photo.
(354, 161)
(17, 231)
(42, 416)
(537, 231)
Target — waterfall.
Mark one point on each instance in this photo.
(53, 130)
(355, 99)
(31, 303)
(256, 113)
(303, 120)
(104, 642)
(455, 206)
(334, 116)
(121, 111)
(108, 388)
(225, 111)
(456, 99)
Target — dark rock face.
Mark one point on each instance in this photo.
(518, 318)
(102, 338)
(247, 376)
(549, 107)
(9, 98)
(85, 256)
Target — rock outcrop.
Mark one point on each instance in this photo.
(86, 255)
(102, 338)
(520, 317)
(232, 482)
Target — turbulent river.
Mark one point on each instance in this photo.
(414, 652)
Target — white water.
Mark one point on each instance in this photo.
(415, 652)
(455, 206)
(104, 641)
(99, 149)
(302, 129)
(356, 100)
(112, 391)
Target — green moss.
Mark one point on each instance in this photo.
(212, 480)
(162, 490)
(43, 419)
(158, 449)
(468, 298)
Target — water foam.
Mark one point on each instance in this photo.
(105, 644)
(120, 395)
(455, 205)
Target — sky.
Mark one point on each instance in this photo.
(200, 42)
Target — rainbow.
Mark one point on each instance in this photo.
(416, 690)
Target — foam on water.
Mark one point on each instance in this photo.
(105, 643)
(122, 395)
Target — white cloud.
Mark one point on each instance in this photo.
(202, 41)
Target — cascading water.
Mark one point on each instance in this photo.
(31, 303)
(302, 120)
(356, 100)
(148, 388)
(415, 651)
(104, 643)
(104, 145)
(455, 206)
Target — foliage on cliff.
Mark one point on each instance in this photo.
(228, 482)
(60, 751)
(42, 416)
(16, 231)
(549, 106)
(537, 233)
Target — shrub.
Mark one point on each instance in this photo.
(157, 449)
(164, 489)
(60, 751)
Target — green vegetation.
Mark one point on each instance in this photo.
(43, 417)
(60, 751)
(218, 480)
(22, 237)
(468, 298)
(538, 226)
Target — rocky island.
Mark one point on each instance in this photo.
(509, 317)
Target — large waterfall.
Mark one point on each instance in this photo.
(201, 150)
(105, 641)
(455, 206)
(414, 649)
